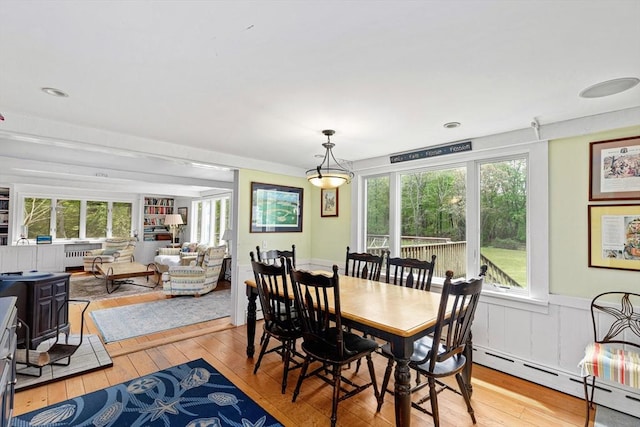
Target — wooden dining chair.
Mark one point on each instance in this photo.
(451, 335)
(410, 272)
(280, 320)
(273, 256)
(363, 265)
(324, 340)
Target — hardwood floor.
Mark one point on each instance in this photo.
(498, 399)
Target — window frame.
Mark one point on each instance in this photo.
(83, 214)
(536, 154)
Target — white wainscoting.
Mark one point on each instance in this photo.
(545, 348)
(32, 257)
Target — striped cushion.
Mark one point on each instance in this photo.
(611, 363)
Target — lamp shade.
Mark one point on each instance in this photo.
(227, 235)
(326, 175)
(173, 219)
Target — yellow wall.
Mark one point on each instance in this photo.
(321, 238)
(569, 273)
(330, 235)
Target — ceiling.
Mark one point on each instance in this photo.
(262, 79)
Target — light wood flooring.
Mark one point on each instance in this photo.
(498, 399)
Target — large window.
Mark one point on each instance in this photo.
(475, 210)
(72, 219)
(211, 219)
(503, 221)
(37, 217)
(97, 216)
(432, 218)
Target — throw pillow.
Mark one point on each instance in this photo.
(109, 251)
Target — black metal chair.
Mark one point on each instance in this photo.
(317, 300)
(280, 321)
(451, 335)
(273, 256)
(363, 265)
(616, 342)
(410, 272)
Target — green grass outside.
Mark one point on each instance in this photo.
(512, 262)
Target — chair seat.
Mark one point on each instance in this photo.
(420, 349)
(355, 347)
(609, 362)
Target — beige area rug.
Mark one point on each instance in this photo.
(92, 289)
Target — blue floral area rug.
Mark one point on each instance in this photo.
(193, 394)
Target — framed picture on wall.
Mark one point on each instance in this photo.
(614, 236)
(329, 202)
(275, 208)
(614, 169)
(184, 213)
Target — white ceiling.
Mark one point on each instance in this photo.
(261, 79)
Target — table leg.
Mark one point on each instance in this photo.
(402, 392)
(251, 321)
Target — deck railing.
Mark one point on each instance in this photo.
(449, 256)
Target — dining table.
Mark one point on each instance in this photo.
(395, 314)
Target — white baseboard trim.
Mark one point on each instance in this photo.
(611, 395)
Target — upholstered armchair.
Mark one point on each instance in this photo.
(116, 249)
(195, 279)
(184, 255)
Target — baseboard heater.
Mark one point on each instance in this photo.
(74, 253)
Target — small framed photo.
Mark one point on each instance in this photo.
(184, 213)
(329, 202)
(614, 169)
(614, 236)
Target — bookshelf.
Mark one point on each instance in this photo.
(155, 208)
(4, 216)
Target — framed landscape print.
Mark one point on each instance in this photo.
(614, 236)
(275, 208)
(329, 202)
(614, 169)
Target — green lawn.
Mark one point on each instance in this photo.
(514, 263)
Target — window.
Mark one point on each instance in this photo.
(432, 219)
(121, 218)
(73, 219)
(503, 222)
(469, 210)
(37, 217)
(97, 213)
(211, 219)
(377, 189)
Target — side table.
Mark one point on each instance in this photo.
(225, 271)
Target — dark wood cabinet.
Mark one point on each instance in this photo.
(47, 298)
(7, 358)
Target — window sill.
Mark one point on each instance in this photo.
(507, 299)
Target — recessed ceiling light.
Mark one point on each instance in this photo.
(452, 125)
(610, 87)
(54, 92)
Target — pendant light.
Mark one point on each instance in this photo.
(328, 175)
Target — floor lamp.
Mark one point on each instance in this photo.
(173, 221)
(227, 236)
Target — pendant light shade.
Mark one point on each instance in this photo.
(326, 174)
